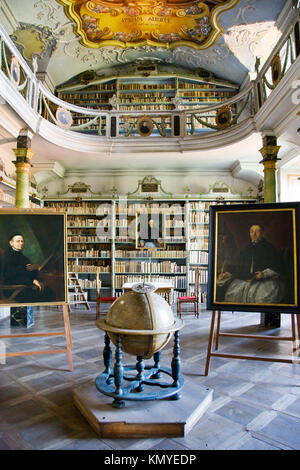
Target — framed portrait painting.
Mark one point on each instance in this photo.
(254, 258)
(150, 230)
(33, 256)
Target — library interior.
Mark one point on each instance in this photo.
(150, 225)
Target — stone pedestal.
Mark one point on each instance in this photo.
(21, 316)
(142, 419)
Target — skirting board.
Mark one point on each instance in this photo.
(142, 419)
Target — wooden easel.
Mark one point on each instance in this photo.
(66, 333)
(210, 354)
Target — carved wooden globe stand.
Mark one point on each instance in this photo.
(140, 323)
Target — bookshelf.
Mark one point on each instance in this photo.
(101, 235)
(138, 91)
(89, 242)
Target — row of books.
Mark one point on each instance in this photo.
(199, 218)
(198, 232)
(145, 86)
(89, 254)
(76, 235)
(79, 222)
(150, 107)
(196, 86)
(197, 93)
(143, 96)
(178, 282)
(88, 267)
(198, 257)
(199, 245)
(148, 267)
(88, 283)
(150, 254)
(82, 208)
(200, 205)
(203, 275)
(172, 208)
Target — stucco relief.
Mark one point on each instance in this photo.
(247, 42)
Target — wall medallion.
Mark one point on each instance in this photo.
(276, 69)
(144, 126)
(15, 71)
(63, 117)
(223, 117)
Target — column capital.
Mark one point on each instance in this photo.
(269, 153)
(23, 154)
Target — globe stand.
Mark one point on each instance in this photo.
(112, 381)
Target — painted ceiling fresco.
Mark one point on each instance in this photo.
(46, 34)
(168, 23)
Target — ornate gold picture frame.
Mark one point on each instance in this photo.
(254, 258)
(33, 257)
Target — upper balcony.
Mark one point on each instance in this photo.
(269, 101)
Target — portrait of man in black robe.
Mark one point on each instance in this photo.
(17, 270)
(32, 258)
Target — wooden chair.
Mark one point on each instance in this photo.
(191, 299)
(100, 299)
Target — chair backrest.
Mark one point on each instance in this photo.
(98, 282)
(197, 284)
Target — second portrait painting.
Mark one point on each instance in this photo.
(253, 258)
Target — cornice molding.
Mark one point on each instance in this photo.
(54, 168)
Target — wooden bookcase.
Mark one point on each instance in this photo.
(102, 235)
(143, 91)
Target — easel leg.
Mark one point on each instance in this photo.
(293, 325)
(210, 341)
(298, 327)
(218, 331)
(68, 335)
(68, 324)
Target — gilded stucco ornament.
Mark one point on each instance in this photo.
(162, 23)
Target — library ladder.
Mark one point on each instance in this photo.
(76, 294)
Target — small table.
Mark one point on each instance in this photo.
(160, 288)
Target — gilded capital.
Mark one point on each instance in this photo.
(270, 152)
(24, 154)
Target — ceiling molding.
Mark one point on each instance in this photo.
(75, 173)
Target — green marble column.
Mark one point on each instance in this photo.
(23, 166)
(269, 153)
(22, 316)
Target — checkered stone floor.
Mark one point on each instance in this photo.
(256, 405)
